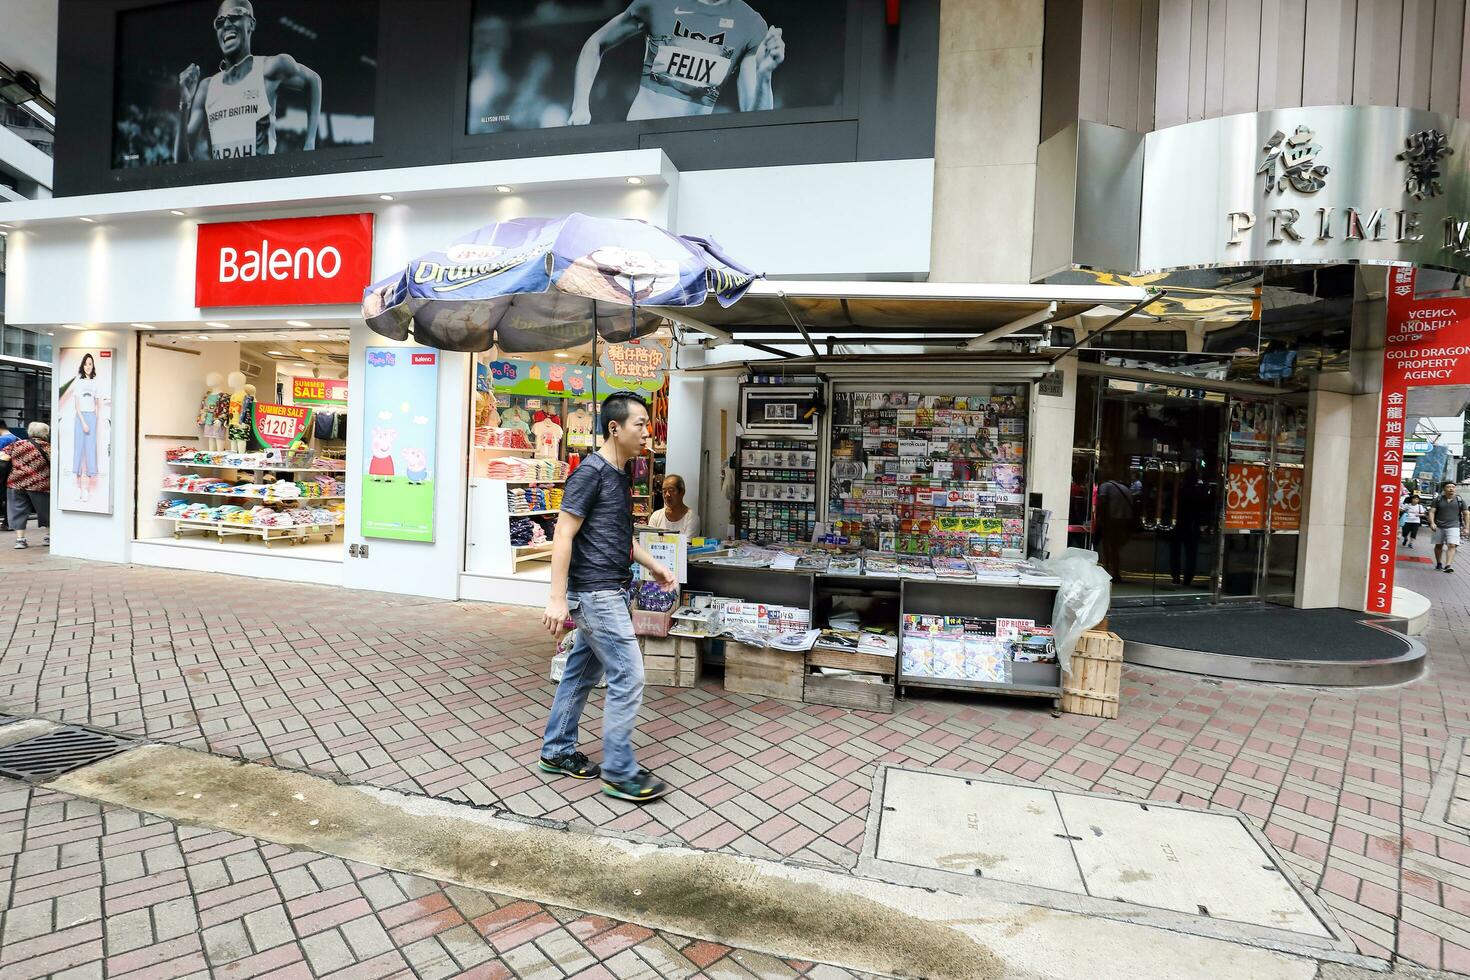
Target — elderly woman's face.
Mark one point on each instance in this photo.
(673, 493)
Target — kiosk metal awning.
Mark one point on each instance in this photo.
(949, 317)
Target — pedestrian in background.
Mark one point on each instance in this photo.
(591, 580)
(6, 438)
(1446, 520)
(1410, 519)
(28, 486)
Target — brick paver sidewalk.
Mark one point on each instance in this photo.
(449, 699)
(92, 888)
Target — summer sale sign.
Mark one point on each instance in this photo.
(327, 392)
(400, 430)
(281, 426)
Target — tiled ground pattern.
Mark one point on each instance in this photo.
(449, 699)
(88, 891)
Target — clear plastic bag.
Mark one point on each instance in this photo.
(563, 650)
(1082, 598)
(559, 662)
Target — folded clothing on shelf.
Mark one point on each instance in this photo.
(492, 438)
(526, 470)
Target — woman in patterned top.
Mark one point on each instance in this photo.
(29, 483)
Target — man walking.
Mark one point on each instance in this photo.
(1446, 520)
(591, 579)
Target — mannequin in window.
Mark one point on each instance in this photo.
(210, 425)
(242, 416)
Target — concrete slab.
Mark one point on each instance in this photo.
(1289, 917)
(990, 830)
(19, 731)
(784, 909)
(1189, 861)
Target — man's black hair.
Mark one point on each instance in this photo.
(1446, 484)
(616, 408)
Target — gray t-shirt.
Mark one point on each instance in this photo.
(602, 552)
(1448, 513)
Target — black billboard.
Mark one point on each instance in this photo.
(202, 80)
(550, 64)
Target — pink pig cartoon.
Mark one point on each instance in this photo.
(381, 468)
(577, 383)
(415, 466)
(556, 373)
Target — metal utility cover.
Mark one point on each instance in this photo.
(60, 751)
(1204, 865)
(1184, 860)
(1006, 833)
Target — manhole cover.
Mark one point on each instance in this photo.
(1159, 857)
(61, 751)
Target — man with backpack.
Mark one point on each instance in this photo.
(1446, 520)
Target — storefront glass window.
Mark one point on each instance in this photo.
(242, 441)
(928, 473)
(534, 419)
(30, 344)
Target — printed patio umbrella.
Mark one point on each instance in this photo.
(536, 284)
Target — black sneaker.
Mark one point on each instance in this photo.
(573, 764)
(1449, 568)
(640, 789)
(1438, 567)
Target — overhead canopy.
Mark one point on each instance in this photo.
(868, 313)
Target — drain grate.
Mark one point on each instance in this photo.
(50, 755)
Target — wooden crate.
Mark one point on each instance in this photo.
(764, 672)
(848, 692)
(670, 661)
(867, 663)
(1096, 677)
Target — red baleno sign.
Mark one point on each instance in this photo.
(287, 262)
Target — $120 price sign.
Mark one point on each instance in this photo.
(281, 426)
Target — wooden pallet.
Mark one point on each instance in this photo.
(867, 663)
(670, 661)
(764, 672)
(849, 692)
(1093, 684)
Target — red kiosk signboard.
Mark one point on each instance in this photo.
(1428, 343)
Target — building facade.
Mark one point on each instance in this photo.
(943, 142)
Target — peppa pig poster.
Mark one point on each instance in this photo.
(400, 429)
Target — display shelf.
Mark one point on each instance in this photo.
(505, 450)
(270, 535)
(246, 496)
(252, 467)
(526, 554)
(526, 483)
(985, 600)
(533, 513)
(991, 687)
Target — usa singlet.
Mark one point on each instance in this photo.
(239, 113)
(692, 46)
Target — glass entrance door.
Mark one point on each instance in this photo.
(1159, 476)
(1266, 452)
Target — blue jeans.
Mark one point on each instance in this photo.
(605, 644)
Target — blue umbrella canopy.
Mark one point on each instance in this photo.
(536, 284)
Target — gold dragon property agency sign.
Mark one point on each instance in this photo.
(1312, 185)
